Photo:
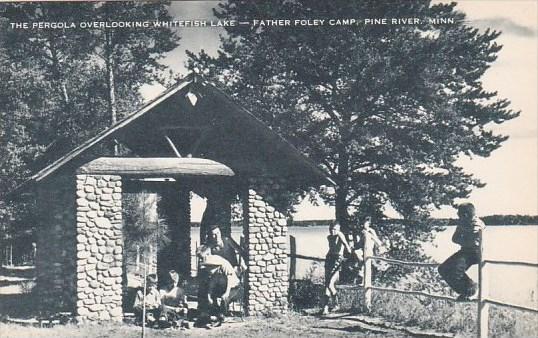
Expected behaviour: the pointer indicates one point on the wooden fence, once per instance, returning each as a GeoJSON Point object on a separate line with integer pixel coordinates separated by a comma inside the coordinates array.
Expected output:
{"type": "Point", "coordinates": [483, 300]}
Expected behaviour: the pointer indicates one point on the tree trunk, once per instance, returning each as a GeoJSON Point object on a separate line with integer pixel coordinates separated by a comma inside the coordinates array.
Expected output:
{"type": "Point", "coordinates": [341, 213]}
{"type": "Point", "coordinates": [174, 209]}
{"type": "Point", "coordinates": [347, 272]}
{"type": "Point", "coordinates": [57, 74]}
{"type": "Point", "coordinates": [218, 211]}
{"type": "Point", "coordinates": [109, 60]}
{"type": "Point", "coordinates": [110, 78]}
{"type": "Point", "coordinates": [340, 203]}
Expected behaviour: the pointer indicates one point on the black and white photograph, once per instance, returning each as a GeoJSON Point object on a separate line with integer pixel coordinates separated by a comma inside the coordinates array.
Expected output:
{"type": "Point", "coordinates": [267, 169]}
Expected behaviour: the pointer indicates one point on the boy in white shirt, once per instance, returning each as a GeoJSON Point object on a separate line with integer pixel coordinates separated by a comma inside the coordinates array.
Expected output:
{"type": "Point", "coordinates": [152, 301]}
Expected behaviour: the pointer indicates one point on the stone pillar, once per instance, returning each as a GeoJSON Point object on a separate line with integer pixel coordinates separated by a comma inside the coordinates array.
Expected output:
{"type": "Point", "coordinates": [266, 234]}
{"type": "Point", "coordinates": [175, 209]}
{"type": "Point", "coordinates": [56, 248]}
{"type": "Point", "coordinates": [99, 247]}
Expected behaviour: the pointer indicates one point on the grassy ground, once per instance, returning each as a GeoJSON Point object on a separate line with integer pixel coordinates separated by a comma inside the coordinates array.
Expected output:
{"type": "Point", "coordinates": [292, 325]}
{"type": "Point", "coordinates": [459, 318]}
{"type": "Point", "coordinates": [427, 313]}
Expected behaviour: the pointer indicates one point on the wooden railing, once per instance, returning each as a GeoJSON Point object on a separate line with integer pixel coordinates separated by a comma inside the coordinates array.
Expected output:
{"type": "Point", "coordinates": [483, 288]}
{"type": "Point", "coordinates": [293, 255]}
{"type": "Point", "coordinates": [483, 300]}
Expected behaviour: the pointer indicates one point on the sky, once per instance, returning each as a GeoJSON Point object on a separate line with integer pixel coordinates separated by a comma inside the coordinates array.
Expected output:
{"type": "Point", "coordinates": [511, 172]}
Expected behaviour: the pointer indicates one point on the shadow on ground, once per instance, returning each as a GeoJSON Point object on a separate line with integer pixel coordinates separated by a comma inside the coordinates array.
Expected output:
{"type": "Point", "coordinates": [349, 329]}
{"type": "Point", "coordinates": [18, 306]}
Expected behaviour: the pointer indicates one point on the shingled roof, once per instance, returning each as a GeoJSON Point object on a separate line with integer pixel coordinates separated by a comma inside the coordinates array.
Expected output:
{"type": "Point", "coordinates": [238, 138]}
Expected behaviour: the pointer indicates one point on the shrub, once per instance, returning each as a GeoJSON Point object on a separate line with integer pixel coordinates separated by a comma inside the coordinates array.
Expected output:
{"type": "Point", "coordinates": [305, 294]}
{"type": "Point", "coordinates": [447, 316]}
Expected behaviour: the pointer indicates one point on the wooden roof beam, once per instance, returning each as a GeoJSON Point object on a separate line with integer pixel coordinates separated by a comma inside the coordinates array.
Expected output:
{"type": "Point", "coordinates": [155, 167]}
{"type": "Point", "coordinates": [173, 146]}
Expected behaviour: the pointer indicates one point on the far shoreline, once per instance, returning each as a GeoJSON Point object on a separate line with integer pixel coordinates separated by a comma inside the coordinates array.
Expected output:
{"type": "Point", "coordinates": [490, 220]}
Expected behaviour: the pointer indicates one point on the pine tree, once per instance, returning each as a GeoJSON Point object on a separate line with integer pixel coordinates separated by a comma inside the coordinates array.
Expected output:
{"type": "Point", "coordinates": [61, 86]}
{"type": "Point", "coordinates": [385, 109]}
{"type": "Point", "coordinates": [131, 55]}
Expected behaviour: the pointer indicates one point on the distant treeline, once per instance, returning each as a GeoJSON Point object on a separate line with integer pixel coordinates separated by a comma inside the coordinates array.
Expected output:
{"type": "Point", "coordinates": [510, 220]}
{"type": "Point", "coordinates": [489, 220]}
{"type": "Point", "coordinates": [502, 220]}
{"type": "Point", "coordinates": [312, 223]}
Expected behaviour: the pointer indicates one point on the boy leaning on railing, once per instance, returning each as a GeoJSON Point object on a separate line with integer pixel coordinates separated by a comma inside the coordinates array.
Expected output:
{"type": "Point", "coordinates": [467, 235]}
{"type": "Point", "coordinates": [333, 262]}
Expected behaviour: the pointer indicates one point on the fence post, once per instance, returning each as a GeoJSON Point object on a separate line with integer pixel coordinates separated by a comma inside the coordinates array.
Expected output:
{"type": "Point", "coordinates": [196, 260]}
{"type": "Point", "coordinates": [367, 274]}
{"type": "Point", "coordinates": [483, 292]}
{"type": "Point", "coordinates": [144, 300]}
{"type": "Point", "coordinates": [137, 258]}
{"type": "Point", "coordinates": [293, 258]}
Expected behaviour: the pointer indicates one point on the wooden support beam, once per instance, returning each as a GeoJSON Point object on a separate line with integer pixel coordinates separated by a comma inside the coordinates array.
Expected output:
{"type": "Point", "coordinates": [172, 145]}
{"type": "Point", "coordinates": [155, 167]}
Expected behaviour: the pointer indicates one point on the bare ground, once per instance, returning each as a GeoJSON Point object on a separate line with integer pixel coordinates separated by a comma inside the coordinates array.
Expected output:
{"type": "Point", "coordinates": [292, 325]}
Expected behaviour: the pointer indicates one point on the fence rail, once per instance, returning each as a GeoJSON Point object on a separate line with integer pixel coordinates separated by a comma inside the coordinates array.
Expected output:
{"type": "Point", "coordinates": [400, 262]}
{"type": "Point", "coordinates": [310, 258]}
{"type": "Point", "coordinates": [527, 264]}
{"type": "Point", "coordinates": [410, 292]}
{"type": "Point", "coordinates": [483, 295]}
{"type": "Point", "coordinates": [512, 306]}
{"type": "Point", "coordinates": [483, 300]}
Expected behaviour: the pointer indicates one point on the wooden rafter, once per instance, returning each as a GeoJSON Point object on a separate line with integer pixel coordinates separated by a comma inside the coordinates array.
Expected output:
{"type": "Point", "coordinates": [173, 146]}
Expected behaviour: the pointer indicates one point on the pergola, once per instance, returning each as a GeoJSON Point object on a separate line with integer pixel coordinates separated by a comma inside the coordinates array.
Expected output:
{"type": "Point", "coordinates": [192, 137]}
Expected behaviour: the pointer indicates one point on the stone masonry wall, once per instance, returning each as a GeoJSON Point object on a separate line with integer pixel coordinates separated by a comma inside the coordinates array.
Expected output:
{"type": "Point", "coordinates": [99, 247]}
{"type": "Point", "coordinates": [266, 234]}
{"type": "Point", "coordinates": [55, 262]}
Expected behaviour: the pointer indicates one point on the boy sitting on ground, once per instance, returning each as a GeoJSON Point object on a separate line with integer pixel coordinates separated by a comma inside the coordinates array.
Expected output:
{"type": "Point", "coordinates": [152, 301]}
{"type": "Point", "coordinates": [173, 300]}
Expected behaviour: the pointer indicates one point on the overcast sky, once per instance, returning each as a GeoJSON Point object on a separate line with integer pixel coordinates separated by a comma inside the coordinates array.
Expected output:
{"type": "Point", "coordinates": [511, 172]}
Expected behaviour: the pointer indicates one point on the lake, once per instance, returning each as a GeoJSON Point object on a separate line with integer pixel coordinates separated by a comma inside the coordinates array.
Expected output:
{"type": "Point", "coordinates": [517, 285]}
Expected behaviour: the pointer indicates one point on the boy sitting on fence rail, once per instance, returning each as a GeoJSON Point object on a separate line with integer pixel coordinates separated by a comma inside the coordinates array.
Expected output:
{"type": "Point", "coordinates": [467, 235]}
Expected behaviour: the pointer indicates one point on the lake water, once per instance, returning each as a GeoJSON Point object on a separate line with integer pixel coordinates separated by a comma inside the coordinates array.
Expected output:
{"type": "Point", "coordinates": [517, 285]}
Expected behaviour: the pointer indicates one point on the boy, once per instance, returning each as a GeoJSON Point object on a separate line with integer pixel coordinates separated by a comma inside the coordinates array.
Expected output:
{"type": "Point", "coordinates": [227, 248]}
{"type": "Point", "coordinates": [173, 299]}
{"type": "Point", "coordinates": [378, 247]}
{"type": "Point", "coordinates": [222, 285]}
{"type": "Point", "coordinates": [467, 235]}
{"type": "Point", "coordinates": [152, 299]}
{"type": "Point", "coordinates": [333, 262]}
